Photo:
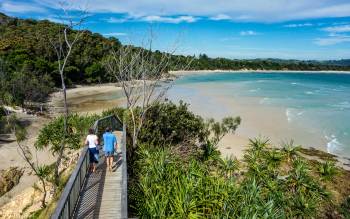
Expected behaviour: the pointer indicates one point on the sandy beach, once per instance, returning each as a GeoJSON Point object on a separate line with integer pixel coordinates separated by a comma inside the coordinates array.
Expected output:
{"type": "Point", "coordinates": [267, 121]}
{"type": "Point", "coordinates": [95, 99]}
{"type": "Point", "coordinates": [89, 99]}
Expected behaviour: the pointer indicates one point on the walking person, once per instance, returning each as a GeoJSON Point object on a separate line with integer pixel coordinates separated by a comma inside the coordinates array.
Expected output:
{"type": "Point", "coordinates": [92, 142]}
{"type": "Point", "coordinates": [110, 145]}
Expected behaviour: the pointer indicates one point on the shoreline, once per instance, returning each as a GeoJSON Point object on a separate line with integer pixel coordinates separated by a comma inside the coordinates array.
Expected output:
{"type": "Point", "coordinates": [87, 99]}
{"type": "Point", "coordinates": [198, 72]}
{"type": "Point", "coordinates": [92, 99]}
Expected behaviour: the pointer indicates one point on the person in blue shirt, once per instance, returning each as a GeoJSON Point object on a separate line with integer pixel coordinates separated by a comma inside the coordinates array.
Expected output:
{"type": "Point", "coordinates": [110, 145]}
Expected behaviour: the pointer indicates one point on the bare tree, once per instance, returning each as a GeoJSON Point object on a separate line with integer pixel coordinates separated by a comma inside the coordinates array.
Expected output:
{"type": "Point", "coordinates": [142, 75]}
{"type": "Point", "coordinates": [69, 33]}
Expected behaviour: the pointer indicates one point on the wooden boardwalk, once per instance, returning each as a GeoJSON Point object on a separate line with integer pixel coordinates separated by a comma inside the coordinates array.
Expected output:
{"type": "Point", "coordinates": [101, 194]}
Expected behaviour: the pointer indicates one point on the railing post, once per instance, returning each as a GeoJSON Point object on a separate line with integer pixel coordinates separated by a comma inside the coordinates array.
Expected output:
{"type": "Point", "coordinates": [124, 207]}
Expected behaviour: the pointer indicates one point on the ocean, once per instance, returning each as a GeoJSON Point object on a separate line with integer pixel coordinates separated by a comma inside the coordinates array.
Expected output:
{"type": "Point", "coordinates": [313, 109]}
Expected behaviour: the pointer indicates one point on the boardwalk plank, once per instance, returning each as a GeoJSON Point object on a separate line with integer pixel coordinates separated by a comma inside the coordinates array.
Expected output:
{"type": "Point", "coordinates": [101, 194]}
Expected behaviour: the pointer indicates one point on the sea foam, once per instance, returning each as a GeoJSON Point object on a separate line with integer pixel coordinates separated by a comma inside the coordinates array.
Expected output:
{"type": "Point", "coordinates": [292, 113]}
{"type": "Point", "coordinates": [333, 146]}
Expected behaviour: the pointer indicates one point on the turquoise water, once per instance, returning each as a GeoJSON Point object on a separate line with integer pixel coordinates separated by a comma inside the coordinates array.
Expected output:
{"type": "Point", "coordinates": [314, 103]}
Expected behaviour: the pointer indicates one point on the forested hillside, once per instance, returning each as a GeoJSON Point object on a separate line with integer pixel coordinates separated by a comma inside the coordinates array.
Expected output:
{"type": "Point", "coordinates": [28, 62]}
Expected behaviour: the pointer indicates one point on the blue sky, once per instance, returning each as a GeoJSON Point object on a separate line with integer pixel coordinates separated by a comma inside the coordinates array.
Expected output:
{"type": "Point", "coordinates": [288, 29]}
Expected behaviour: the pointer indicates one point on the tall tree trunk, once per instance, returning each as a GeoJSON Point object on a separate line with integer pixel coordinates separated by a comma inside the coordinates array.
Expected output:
{"type": "Point", "coordinates": [60, 153]}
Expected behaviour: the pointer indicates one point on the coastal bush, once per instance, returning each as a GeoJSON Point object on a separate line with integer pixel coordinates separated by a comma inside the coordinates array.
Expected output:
{"type": "Point", "coordinates": [168, 186]}
{"type": "Point", "coordinates": [270, 182]}
{"type": "Point", "coordinates": [51, 135]}
{"type": "Point", "coordinates": [171, 124]}
{"type": "Point", "coordinates": [165, 124]}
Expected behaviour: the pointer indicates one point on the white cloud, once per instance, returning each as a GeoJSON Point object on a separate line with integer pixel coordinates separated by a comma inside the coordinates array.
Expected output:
{"type": "Point", "coordinates": [248, 10]}
{"type": "Point", "coordinates": [332, 40]}
{"type": "Point", "coordinates": [299, 25]}
{"type": "Point", "coordinates": [248, 33]}
{"type": "Point", "coordinates": [116, 20]}
{"type": "Point", "coordinates": [16, 7]}
{"type": "Point", "coordinates": [220, 17]}
{"type": "Point", "coordinates": [115, 34]}
{"type": "Point", "coordinates": [336, 35]}
{"type": "Point", "coordinates": [154, 18]}
{"type": "Point", "coordinates": [174, 20]}
{"type": "Point", "coordinates": [338, 29]}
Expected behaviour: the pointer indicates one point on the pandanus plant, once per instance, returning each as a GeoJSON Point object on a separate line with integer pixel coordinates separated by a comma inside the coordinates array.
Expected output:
{"type": "Point", "coordinates": [228, 166]}
{"type": "Point", "coordinates": [290, 150]}
{"type": "Point", "coordinates": [327, 170]}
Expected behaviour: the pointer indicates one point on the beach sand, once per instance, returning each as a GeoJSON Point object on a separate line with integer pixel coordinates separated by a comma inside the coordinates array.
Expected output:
{"type": "Point", "coordinates": [10, 155]}
{"type": "Point", "coordinates": [267, 121]}
{"type": "Point", "coordinates": [89, 99]}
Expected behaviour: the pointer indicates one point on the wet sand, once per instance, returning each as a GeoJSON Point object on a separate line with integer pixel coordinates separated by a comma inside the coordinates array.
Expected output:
{"type": "Point", "coordinates": [89, 99]}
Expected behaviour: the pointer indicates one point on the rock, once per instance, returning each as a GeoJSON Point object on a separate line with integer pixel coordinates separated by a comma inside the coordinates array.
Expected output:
{"type": "Point", "coordinates": [9, 178]}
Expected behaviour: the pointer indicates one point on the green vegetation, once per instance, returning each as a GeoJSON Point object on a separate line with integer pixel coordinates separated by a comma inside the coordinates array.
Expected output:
{"type": "Point", "coordinates": [180, 173]}
{"type": "Point", "coordinates": [327, 170]}
{"type": "Point", "coordinates": [28, 64]}
{"type": "Point", "coordinates": [51, 137]}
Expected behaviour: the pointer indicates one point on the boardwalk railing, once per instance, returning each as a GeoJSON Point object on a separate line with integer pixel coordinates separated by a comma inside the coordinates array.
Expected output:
{"type": "Point", "coordinates": [70, 195]}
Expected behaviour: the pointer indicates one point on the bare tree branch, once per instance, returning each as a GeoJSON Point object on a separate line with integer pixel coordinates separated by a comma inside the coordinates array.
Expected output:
{"type": "Point", "coordinates": [141, 74]}
{"type": "Point", "coordinates": [63, 46]}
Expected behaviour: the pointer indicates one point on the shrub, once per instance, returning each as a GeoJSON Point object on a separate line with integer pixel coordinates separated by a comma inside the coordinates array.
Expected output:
{"type": "Point", "coordinates": [51, 134]}
{"type": "Point", "coordinates": [170, 124]}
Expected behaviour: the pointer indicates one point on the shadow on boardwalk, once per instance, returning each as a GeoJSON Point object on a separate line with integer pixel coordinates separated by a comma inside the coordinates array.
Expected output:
{"type": "Point", "coordinates": [89, 203]}
{"type": "Point", "coordinates": [91, 196]}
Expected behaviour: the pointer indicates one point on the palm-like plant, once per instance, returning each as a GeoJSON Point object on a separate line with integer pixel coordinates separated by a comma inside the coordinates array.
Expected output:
{"type": "Point", "coordinates": [327, 170]}
{"type": "Point", "coordinates": [210, 152]}
{"type": "Point", "coordinates": [290, 150]}
{"type": "Point", "coordinates": [228, 166]}
{"type": "Point", "coordinates": [258, 144]}
{"type": "Point", "coordinates": [273, 159]}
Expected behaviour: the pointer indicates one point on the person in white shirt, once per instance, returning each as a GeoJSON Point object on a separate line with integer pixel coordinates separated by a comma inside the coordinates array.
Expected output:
{"type": "Point", "coordinates": [92, 142]}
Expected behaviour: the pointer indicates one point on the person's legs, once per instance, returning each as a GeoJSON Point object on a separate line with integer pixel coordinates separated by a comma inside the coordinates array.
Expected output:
{"type": "Point", "coordinates": [111, 162]}
{"type": "Point", "coordinates": [91, 155]}
{"type": "Point", "coordinates": [93, 167]}
{"type": "Point", "coordinates": [107, 159]}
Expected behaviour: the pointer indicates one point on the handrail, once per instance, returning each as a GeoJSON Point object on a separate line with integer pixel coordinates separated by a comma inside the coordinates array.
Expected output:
{"type": "Point", "coordinates": [124, 198]}
{"type": "Point", "coordinates": [70, 195]}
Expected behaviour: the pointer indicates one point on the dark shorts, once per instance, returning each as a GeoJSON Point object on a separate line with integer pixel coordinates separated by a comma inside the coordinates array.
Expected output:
{"type": "Point", "coordinates": [93, 155]}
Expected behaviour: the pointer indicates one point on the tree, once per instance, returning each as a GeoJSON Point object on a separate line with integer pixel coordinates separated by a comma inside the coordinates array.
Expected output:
{"type": "Point", "coordinates": [141, 73]}
{"type": "Point", "coordinates": [63, 46]}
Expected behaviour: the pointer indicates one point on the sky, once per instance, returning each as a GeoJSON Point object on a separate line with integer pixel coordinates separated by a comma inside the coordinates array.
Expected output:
{"type": "Point", "coordinates": [239, 29]}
